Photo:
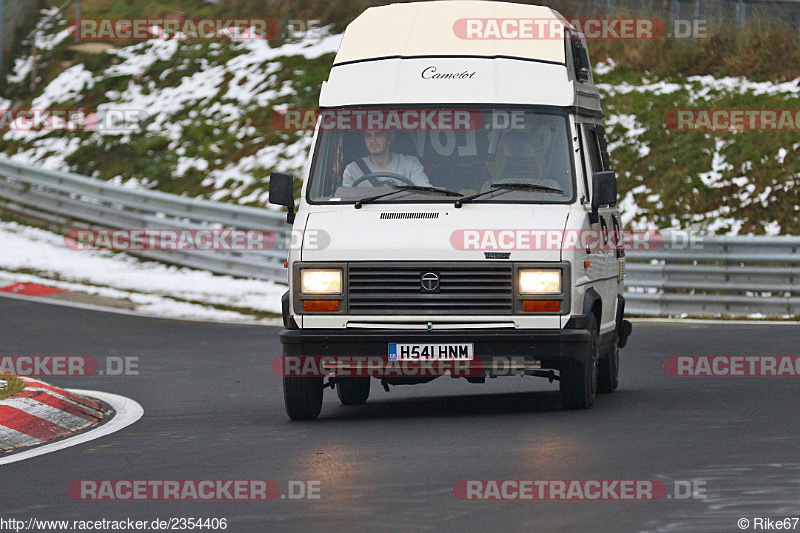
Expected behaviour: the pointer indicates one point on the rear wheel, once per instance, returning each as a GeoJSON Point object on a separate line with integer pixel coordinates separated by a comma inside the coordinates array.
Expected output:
{"type": "Point", "coordinates": [302, 397]}
{"type": "Point", "coordinates": [608, 370]}
{"type": "Point", "coordinates": [353, 391]}
{"type": "Point", "coordinates": [578, 382]}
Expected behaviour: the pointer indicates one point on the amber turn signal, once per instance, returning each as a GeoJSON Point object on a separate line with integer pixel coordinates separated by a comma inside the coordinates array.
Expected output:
{"type": "Point", "coordinates": [529, 306]}
{"type": "Point", "coordinates": [321, 306]}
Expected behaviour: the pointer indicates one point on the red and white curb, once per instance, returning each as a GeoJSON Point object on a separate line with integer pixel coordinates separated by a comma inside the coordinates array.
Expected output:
{"type": "Point", "coordinates": [31, 289]}
{"type": "Point", "coordinates": [126, 412]}
{"type": "Point", "coordinates": [43, 412]}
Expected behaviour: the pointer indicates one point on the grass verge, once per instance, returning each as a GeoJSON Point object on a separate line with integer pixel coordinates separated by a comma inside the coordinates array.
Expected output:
{"type": "Point", "coordinates": [10, 386]}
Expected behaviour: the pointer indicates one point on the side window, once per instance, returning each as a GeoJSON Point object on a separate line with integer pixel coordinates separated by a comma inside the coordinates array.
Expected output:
{"type": "Point", "coordinates": [619, 244]}
{"type": "Point", "coordinates": [580, 58]}
{"type": "Point", "coordinates": [592, 160]}
{"type": "Point", "coordinates": [601, 137]}
{"type": "Point", "coordinates": [593, 148]}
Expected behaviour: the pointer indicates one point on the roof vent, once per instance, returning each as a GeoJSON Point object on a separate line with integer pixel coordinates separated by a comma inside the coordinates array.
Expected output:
{"type": "Point", "coordinates": [407, 216]}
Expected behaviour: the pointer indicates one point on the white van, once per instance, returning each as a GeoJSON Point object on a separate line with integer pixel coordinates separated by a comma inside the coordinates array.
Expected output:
{"type": "Point", "coordinates": [460, 175]}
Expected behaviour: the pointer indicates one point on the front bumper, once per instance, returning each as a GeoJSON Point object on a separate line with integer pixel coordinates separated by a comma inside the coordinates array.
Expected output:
{"type": "Point", "coordinates": [552, 348]}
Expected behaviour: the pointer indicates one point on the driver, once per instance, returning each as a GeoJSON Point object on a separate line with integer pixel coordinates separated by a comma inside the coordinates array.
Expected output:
{"type": "Point", "coordinates": [381, 160]}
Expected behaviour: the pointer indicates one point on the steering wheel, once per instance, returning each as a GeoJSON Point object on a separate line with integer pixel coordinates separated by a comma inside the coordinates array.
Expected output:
{"type": "Point", "coordinates": [386, 174]}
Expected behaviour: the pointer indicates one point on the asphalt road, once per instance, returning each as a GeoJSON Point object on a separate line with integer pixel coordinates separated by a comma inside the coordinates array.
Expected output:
{"type": "Point", "coordinates": [214, 410]}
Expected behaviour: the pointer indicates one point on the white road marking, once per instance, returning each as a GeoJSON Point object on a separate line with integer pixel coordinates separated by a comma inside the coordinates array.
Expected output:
{"type": "Point", "coordinates": [127, 412]}
{"type": "Point", "coordinates": [743, 322]}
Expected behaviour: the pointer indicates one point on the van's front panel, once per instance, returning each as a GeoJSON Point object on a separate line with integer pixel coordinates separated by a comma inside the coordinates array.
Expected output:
{"type": "Point", "coordinates": [504, 189]}
{"type": "Point", "coordinates": [445, 211]}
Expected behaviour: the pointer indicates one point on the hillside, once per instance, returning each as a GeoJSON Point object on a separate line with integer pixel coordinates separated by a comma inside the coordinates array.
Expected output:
{"type": "Point", "coordinates": [208, 131]}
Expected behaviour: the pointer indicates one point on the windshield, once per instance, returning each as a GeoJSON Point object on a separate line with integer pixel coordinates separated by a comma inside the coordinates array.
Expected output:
{"type": "Point", "coordinates": [407, 152]}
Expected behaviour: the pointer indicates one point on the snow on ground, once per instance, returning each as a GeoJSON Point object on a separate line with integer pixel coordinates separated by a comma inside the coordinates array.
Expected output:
{"type": "Point", "coordinates": [707, 84]}
{"type": "Point", "coordinates": [242, 83]}
{"type": "Point", "coordinates": [39, 256]}
{"type": "Point", "coordinates": [249, 72]}
{"type": "Point", "coordinates": [629, 211]}
{"type": "Point", "coordinates": [718, 166]}
{"type": "Point", "coordinates": [22, 67]}
{"type": "Point", "coordinates": [48, 152]}
{"type": "Point", "coordinates": [44, 40]}
{"type": "Point", "coordinates": [633, 131]}
{"type": "Point", "coordinates": [604, 67]}
{"type": "Point", "coordinates": [628, 131]}
{"type": "Point", "coordinates": [136, 59]}
{"type": "Point", "coordinates": [295, 156]}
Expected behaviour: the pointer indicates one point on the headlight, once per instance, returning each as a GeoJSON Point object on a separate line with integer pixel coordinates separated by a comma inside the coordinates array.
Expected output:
{"type": "Point", "coordinates": [539, 281]}
{"type": "Point", "coordinates": [318, 281]}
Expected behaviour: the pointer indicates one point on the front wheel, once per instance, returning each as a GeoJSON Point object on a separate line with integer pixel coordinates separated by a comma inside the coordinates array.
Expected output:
{"type": "Point", "coordinates": [352, 391]}
{"type": "Point", "coordinates": [302, 397]}
{"type": "Point", "coordinates": [578, 382]}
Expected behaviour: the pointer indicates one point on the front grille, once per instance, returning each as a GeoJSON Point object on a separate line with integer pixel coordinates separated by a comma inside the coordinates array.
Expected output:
{"type": "Point", "coordinates": [396, 289]}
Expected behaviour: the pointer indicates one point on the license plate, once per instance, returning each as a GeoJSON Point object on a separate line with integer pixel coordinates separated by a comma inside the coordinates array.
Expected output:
{"type": "Point", "coordinates": [431, 352]}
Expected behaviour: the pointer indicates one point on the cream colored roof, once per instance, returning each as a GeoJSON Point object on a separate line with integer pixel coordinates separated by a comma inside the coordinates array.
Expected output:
{"type": "Point", "coordinates": [427, 28]}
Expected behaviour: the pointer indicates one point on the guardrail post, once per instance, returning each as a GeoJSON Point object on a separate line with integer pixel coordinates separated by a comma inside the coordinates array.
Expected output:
{"type": "Point", "coordinates": [741, 13]}
{"type": "Point", "coordinates": [77, 17]}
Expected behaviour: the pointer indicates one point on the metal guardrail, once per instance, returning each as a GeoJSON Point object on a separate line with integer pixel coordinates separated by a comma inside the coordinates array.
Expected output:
{"type": "Point", "coordinates": [709, 276]}
{"type": "Point", "coordinates": [716, 276]}
{"type": "Point", "coordinates": [72, 201]}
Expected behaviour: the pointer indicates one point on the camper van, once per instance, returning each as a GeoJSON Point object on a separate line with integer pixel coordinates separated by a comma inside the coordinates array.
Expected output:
{"type": "Point", "coordinates": [460, 178]}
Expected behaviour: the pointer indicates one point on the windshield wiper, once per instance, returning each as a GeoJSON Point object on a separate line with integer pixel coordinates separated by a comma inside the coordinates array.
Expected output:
{"type": "Point", "coordinates": [401, 188]}
{"type": "Point", "coordinates": [508, 186]}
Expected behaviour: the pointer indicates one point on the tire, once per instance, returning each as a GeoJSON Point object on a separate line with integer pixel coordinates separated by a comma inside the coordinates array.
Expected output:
{"type": "Point", "coordinates": [353, 391]}
{"type": "Point", "coordinates": [608, 371]}
{"type": "Point", "coordinates": [302, 397]}
{"type": "Point", "coordinates": [578, 382]}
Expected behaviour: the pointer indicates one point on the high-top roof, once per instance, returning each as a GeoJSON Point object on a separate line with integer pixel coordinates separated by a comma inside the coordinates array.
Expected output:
{"type": "Point", "coordinates": [436, 28]}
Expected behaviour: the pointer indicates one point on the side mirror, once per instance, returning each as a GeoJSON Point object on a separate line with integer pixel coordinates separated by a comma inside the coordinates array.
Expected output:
{"type": "Point", "coordinates": [604, 189]}
{"type": "Point", "coordinates": [281, 192]}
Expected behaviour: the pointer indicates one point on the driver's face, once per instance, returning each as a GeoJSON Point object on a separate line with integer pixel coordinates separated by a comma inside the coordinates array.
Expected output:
{"type": "Point", "coordinates": [377, 142]}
